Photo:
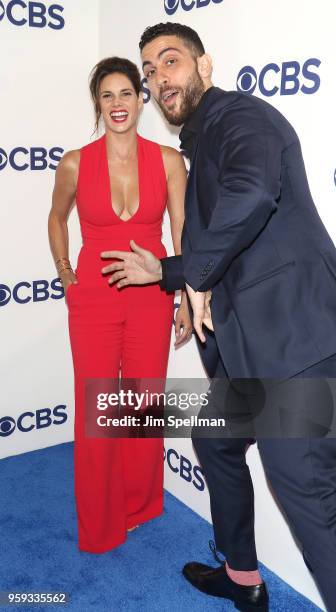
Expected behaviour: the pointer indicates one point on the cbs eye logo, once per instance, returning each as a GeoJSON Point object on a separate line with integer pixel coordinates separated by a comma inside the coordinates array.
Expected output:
{"type": "Point", "coordinates": [286, 79]}
{"type": "Point", "coordinates": [32, 14]}
{"type": "Point", "coordinates": [171, 6]}
{"type": "Point", "coordinates": [3, 159]}
{"type": "Point", "coordinates": [7, 426]}
{"type": "Point", "coordinates": [247, 80]}
{"type": "Point", "coordinates": [5, 295]}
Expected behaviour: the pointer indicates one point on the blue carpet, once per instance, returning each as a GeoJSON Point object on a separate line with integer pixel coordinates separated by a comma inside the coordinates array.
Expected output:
{"type": "Point", "coordinates": [39, 549]}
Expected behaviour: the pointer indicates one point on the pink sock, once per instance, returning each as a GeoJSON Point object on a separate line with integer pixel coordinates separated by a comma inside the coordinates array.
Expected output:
{"type": "Point", "coordinates": [249, 578]}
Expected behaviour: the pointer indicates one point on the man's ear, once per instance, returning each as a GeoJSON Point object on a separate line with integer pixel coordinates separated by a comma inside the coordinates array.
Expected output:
{"type": "Point", "coordinates": [204, 65]}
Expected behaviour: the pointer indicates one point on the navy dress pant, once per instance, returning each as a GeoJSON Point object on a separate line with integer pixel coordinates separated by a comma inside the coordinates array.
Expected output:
{"type": "Point", "coordinates": [302, 473]}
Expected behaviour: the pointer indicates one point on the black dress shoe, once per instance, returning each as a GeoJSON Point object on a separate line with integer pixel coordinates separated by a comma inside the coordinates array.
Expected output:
{"type": "Point", "coordinates": [215, 581]}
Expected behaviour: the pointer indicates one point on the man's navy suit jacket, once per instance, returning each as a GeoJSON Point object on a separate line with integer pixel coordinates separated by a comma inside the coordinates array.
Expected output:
{"type": "Point", "coordinates": [253, 236]}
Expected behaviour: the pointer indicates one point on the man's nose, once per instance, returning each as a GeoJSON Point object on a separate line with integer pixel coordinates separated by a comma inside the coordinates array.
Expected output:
{"type": "Point", "coordinates": [161, 77]}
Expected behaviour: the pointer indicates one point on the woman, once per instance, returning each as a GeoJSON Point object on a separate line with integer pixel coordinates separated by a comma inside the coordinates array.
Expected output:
{"type": "Point", "coordinates": [122, 184]}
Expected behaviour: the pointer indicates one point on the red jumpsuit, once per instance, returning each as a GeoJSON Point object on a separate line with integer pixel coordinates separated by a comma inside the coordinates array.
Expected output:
{"type": "Point", "coordinates": [118, 482]}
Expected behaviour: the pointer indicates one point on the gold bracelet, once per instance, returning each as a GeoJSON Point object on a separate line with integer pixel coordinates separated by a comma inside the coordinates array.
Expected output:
{"type": "Point", "coordinates": [64, 270]}
{"type": "Point", "coordinates": [62, 259]}
{"type": "Point", "coordinates": [63, 263]}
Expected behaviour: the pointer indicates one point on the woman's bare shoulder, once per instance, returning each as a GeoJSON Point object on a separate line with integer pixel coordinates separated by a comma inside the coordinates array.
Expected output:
{"type": "Point", "coordinates": [170, 152]}
{"type": "Point", "coordinates": [70, 160]}
{"type": "Point", "coordinates": [172, 159]}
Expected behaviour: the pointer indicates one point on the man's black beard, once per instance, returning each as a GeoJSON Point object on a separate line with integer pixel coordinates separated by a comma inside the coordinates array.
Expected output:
{"type": "Point", "coordinates": [191, 96]}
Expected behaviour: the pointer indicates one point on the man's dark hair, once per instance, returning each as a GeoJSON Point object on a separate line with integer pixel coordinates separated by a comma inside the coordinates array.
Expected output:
{"type": "Point", "coordinates": [189, 37]}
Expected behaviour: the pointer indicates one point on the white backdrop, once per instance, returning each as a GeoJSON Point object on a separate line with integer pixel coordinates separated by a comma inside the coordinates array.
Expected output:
{"type": "Point", "coordinates": [45, 105]}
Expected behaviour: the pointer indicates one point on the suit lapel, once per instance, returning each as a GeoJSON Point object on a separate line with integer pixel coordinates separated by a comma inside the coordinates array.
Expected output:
{"type": "Point", "coordinates": [191, 191]}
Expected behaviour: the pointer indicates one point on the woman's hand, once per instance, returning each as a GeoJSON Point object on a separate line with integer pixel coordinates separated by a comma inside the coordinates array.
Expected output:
{"type": "Point", "coordinates": [68, 278]}
{"type": "Point", "coordinates": [183, 324]}
{"type": "Point", "coordinates": [200, 302]}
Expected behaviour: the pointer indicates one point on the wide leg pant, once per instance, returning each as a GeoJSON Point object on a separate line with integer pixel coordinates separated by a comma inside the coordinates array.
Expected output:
{"type": "Point", "coordinates": [118, 482]}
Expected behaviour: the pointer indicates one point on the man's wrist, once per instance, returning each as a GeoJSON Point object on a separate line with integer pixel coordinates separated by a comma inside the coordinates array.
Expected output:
{"type": "Point", "coordinates": [161, 274]}
{"type": "Point", "coordinates": [160, 271]}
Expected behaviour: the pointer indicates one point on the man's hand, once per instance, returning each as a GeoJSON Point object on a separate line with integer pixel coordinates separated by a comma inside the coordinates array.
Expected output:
{"type": "Point", "coordinates": [200, 302]}
{"type": "Point", "coordinates": [137, 267]}
{"type": "Point", "coordinates": [207, 321]}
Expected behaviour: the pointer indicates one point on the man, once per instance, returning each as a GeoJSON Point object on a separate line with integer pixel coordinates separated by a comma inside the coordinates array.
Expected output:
{"type": "Point", "coordinates": [261, 269]}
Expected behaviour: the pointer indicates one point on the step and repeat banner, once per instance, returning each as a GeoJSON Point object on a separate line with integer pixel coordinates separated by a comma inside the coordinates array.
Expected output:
{"type": "Point", "coordinates": [47, 50]}
{"type": "Point", "coordinates": [283, 53]}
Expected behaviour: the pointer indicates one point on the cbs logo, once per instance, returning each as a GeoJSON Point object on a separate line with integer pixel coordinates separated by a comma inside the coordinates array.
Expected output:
{"type": "Point", "coordinates": [287, 79]}
{"type": "Point", "coordinates": [183, 467]}
{"type": "Point", "coordinates": [171, 6]}
{"type": "Point", "coordinates": [35, 158]}
{"type": "Point", "coordinates": [37, 291]}
{"type": "Point", "coordinates": [145, 91]}
{"type": "Point", "coordinates": [33, 420]}
{"type": "Point", "coordinates": [32, 14]}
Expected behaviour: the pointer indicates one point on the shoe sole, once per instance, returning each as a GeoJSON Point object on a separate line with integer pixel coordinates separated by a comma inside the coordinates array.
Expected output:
{"type": "Point", "coordinates": [250, 607]}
